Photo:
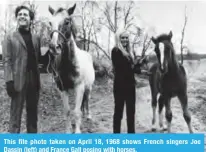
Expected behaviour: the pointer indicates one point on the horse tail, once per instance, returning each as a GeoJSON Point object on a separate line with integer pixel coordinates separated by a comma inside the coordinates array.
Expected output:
{"type": "Point", "coordinates": [83, 102]}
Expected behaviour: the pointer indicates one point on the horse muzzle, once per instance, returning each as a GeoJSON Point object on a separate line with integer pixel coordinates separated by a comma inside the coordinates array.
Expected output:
{"type": "Point", "coordinates": [55, 49]}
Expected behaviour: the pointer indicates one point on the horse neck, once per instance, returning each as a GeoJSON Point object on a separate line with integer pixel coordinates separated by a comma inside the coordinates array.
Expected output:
{"type": "Point", "coordinates": [173, 65]}
{"type": "Point", "coordinates": [69, 53]}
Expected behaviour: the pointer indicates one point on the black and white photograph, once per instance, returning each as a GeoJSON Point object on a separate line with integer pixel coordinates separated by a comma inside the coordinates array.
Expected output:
{"type": "Point", "coordinates": [102, 67]}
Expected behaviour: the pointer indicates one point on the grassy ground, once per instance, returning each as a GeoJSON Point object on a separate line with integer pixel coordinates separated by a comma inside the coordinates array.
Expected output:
{"type": "Point", "coordinates": [101, 104]}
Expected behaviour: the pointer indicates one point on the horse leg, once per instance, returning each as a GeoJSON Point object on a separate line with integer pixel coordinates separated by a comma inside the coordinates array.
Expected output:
{"type": "Point", "coordinates": [79, 91]}
{"type": "Point", "coordinates": [85, 104]}
{"type": "Point", "coordinates": [168, 113]}
{"type": "Point", "coordinates": [154, 106]}
{"type": "Point", "coordinates": [161, 105]}
{"type": "Point", "coordinates": [184, 103]}
{"type": "Point", "coordinates": [65, 98]}
{"type": "Point", "coordinates": [87, 98]}
{"type": "Point", "coordinates": [154, 95]}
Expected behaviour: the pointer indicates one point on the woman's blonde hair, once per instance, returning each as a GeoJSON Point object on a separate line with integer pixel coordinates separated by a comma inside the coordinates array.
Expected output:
{"type": "Point", "coordinates": [128, 52]}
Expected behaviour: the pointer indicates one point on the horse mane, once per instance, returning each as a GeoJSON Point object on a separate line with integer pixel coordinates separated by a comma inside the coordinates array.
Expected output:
{"type": "Point", "coordinates": [67, 67]}
{"type": "Point", "coordinates": [66, 62]}
{"type": "Point", "coordinates": [59, 10]}
{"type": "Point", "coordinates": [74, 29]}
{"type": "Point", "coordinates": [168, 42]}
{"type": "Point", "coordinates": [163, 37]}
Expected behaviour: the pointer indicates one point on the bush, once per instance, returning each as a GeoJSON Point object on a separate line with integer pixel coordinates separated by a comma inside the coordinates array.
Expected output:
{"type": "Point", "coordinates": [103, 67]}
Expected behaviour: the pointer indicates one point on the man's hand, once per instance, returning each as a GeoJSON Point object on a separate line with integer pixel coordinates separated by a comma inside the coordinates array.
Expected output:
{"type": "Point", "coordinates": [10, 88]}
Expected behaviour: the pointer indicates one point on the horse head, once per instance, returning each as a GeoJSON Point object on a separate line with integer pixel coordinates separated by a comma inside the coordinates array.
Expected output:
{"type": "Point", "coordinates": [63, 28]}
{"type": "Point", "coordinates": [164, 51]}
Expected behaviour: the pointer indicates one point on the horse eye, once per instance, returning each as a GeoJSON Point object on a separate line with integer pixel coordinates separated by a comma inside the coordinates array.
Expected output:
{"type": "Point", "coordinates": [67, 22]}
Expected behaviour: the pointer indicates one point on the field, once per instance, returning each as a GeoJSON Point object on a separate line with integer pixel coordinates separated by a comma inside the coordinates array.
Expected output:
{"type": "Point", "coordinates": [101, 104]}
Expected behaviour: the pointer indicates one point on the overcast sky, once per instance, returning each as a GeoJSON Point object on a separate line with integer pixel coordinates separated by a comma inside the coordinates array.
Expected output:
{"type": "Point", "coordinates": [167, 16]}
{"type": "Point", "coordinates": [163, 15]}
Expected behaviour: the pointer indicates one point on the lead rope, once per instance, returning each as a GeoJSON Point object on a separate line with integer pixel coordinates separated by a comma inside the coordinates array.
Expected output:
{"type": "Point", "coordinates": [54, 76]}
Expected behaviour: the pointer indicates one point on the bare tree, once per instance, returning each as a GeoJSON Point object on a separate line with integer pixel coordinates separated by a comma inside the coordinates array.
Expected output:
{"type": "Point", "coordinates": [146, 44]}
{"type": "Point", "coordinates": [115, 13]}
{"type": "Point", "coordinates": [9, 17]}
{"type": "Point", "coordinates": [110, 23]}
{"type": "Point", "coordinates": [137, 36]}
{"type": "Point", "coordinates": [183, 34]}
{"type": "Point", "coordinates": [42, 28]}
{"type": "Point", "coordinates": [128, 18]}
{"type": "Point", "coordinates": [87, 21]}
{"type": "Point", "coordinates": [118, 11]}
{"type": "Point", "coordinates": [90, 27]}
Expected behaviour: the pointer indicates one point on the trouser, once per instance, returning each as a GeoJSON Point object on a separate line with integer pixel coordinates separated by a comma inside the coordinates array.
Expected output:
{"type": "Point", "coordinates": [30, 93]}
{"type": "Point", "coordinates": [122, 96]}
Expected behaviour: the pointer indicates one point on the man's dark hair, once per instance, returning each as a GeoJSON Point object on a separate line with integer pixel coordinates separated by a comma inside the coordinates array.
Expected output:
{"type": "Point", "coordinates": [31, 13]}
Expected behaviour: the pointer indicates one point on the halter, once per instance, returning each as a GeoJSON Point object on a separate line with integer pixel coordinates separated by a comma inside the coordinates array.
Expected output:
{"type": "Point", "coordinates": [59, 32]}
{"type": "Point", "coordinates": [55, 73]}
{"type": "Point", "coordinates": [65, 39]}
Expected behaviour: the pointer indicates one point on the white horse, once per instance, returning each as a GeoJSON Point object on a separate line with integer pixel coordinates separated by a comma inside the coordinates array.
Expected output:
{"type": "Point", "coordinates": [73, 67]}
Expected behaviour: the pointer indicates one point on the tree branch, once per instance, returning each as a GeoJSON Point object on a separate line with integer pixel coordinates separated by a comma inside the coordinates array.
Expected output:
{"type": "Point", "coordinates": [98, 46]}
{"type": "Point", "coordinates": [183, 34]}
{"type": "Point", "coordinates": [127, 13]}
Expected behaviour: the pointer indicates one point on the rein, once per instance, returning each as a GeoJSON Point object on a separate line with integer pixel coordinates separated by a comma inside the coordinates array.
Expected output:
{"type": "Point", "coordinates": [65, 39]}
{"type": "Point", "coordinates": [54, 72]}
{"type": "Point", "coordinates": [53, 69]}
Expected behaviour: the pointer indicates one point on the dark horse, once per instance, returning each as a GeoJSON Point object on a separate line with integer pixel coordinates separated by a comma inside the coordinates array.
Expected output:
{"type": "Point", "coordinates": [168, 79]}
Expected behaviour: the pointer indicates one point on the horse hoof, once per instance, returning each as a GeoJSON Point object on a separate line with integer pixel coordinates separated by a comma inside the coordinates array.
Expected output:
{"type": "Point", "coordinates": [153, 129]}
{"type": "Point", "coordinates": [169, 131]}
{"type": "Point", "coordinates": [77, 131]}
{"type": "Point", "coordinates": [191, 132]}
{"type": "Point", "coordinates": [68, 131]}
{"type": "Point", "coordinates": [89, 117]}
{"type": "Point", "coordinates": [163, 128]}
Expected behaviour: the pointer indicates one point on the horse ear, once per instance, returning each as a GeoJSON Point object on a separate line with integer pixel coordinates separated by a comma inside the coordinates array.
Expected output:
{"type": "Point", "coordinates": [170, 34]}
{"type": "Point", "coordinates": [154, 40]}
{"type": "Point", "coordinates": [71, 10]}
{"type": "Point", "coordinates": [51, 10]}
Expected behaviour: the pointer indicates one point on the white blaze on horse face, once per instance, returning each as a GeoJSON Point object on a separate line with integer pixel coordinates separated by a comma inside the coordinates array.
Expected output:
{"type": "Point", "coordinates": [56, 21]}
{"type": "Point", "coordinates": [162, 55]}
{"type": "Point", "coordinates": [55, 35]}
